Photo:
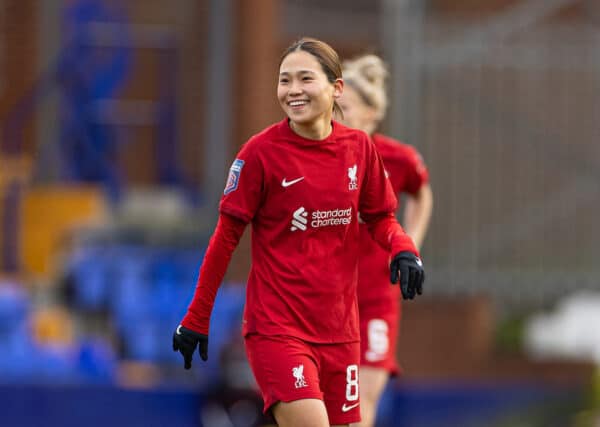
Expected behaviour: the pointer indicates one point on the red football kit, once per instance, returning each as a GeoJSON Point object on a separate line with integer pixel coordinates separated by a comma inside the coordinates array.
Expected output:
{"type": "Point", "coordinates": [378, 301]}
{"type": "Point", "coordinates": [302, 197]}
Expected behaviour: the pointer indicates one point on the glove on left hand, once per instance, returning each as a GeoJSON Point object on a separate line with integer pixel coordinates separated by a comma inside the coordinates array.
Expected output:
{"type": "Point", "coordinates": [409, 269]}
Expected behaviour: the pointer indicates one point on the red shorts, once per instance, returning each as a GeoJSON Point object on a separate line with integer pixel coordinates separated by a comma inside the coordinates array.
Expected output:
{"type": "Point", "coordinates": [288, 369]}
{"type": "Point", "coordinates": [378, 336]}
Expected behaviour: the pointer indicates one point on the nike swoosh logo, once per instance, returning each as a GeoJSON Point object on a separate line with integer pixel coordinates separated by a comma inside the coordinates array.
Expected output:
{"type": "Point", "coordinates": [178, 330]}
{"type": "Point", "coordinates": [349, 407]}
{"type": "Point", "coordinates": [285, 183]}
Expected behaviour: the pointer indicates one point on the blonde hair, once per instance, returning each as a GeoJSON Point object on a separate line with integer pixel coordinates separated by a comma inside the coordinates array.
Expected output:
{"type": "Point", "coordinates": [367, 75]}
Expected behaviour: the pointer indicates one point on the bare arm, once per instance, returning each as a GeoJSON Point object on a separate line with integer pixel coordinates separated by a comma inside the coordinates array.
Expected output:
{"type": "Point", "coordinates": [417, 214]}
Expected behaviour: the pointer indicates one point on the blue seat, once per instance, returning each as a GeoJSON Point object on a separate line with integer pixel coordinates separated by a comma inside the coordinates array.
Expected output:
{"type": "Point", "coordinates": [149, 337]}
{"type": "Point", "coordinates": [96, 361]}
{"type": "Point", "coordinates": [15, 340]}
{"type": "Point", "coordinates": [89, 269]}
{"type": "Point", "coordinates": [131, 289]}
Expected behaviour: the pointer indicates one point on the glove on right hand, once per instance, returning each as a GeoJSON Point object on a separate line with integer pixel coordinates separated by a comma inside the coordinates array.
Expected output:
{"type": "Point", "coordinates": [185, 340]}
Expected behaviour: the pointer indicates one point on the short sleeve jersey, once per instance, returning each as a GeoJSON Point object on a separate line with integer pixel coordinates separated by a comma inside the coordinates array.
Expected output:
{"type": "Point", "coordinates": [302, 198]}
{"type": "Point", "coordinates": [407, 173]}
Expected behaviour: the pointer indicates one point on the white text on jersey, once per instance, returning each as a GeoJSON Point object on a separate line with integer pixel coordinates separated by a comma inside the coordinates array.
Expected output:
{"type": "Point", "coordinates": [320, 218]}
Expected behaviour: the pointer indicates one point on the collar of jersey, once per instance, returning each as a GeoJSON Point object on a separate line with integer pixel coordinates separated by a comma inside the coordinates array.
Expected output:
{"type": "Point", "coordinates": [288, 134]}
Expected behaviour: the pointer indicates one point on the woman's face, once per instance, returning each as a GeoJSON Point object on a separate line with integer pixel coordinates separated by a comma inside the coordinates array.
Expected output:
{"type": "Point", "coordinates": [304, 93]}
{"type": "Point", "coordinates": [357, 114]}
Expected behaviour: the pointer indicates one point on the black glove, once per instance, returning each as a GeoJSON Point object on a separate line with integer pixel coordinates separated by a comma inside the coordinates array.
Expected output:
{"type": "Point", "coordinates": [185, 340]}
{"type": "Point", "coordinates": [410, 269]}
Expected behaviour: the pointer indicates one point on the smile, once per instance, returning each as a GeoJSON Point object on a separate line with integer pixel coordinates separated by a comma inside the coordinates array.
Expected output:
{"type": "Point", "coordinates": [297, 103]}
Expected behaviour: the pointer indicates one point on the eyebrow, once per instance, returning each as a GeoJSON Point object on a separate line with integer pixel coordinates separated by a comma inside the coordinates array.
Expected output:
{"type": "Point", "coordinates": [287, 73]}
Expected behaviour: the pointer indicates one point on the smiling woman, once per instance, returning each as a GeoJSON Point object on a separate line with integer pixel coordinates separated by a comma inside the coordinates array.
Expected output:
{"type": "Point", "coordinates": [301, 183]}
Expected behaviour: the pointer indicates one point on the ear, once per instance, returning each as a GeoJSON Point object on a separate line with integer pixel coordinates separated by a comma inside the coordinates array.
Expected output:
{"type": "Point", "coordinates": [338, 88]}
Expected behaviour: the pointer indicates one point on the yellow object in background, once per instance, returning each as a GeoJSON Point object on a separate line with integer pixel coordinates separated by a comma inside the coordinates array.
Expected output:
{"type": "Point", "coordinates": [49, 215]}
{"type": "Point", "coordinates": [53, 325]}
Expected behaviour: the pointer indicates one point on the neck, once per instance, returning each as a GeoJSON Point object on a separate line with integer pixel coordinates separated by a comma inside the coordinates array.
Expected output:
{"type": "Point", "coordinates": [317, 130]}
{"type": "Point", "coordinates": [369, 129]}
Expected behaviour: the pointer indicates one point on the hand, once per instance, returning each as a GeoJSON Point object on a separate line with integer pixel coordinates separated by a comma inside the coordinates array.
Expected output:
{"type": "Point", "coordinates": [410, 269]}
{"type": "Point", "coordinates": [185, 340]}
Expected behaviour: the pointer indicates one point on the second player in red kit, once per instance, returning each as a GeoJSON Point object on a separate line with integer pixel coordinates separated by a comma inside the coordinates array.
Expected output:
{"type": "Point", "coordinates": [301, 183]}
{"type": "Point", "coordinates": [364, 104]}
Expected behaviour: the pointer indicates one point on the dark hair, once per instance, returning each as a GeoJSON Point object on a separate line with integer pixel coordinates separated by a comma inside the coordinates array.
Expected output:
{"type": "Point", "coordinates": [325, 54]}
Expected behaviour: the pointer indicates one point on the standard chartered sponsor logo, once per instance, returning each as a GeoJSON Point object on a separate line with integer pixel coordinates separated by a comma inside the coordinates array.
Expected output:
{"type": "Point", "coordinates": [299, 219]}
{"type": "Point", "coordinates": [332, 217]}
{"type": "Point", "coordinates": [320, 218]}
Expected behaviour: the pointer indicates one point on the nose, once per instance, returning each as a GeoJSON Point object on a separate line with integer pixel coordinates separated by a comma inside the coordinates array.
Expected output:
{"type": "Point", "coordinates": [295, 88]}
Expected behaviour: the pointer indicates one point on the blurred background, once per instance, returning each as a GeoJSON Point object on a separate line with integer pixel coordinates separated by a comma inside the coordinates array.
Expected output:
{"type": "Point", "coordinates": [118, 122]}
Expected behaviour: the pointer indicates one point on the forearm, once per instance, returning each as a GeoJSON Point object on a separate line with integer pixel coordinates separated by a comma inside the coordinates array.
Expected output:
{"type": "Point", "coordinates": [417, 214]}
{"type": "Point", "coordinates": [386, 231]}
{"type": "Point", "coordinates": [218, 255]}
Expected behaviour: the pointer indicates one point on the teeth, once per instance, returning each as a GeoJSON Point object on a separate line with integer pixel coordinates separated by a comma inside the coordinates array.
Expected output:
{"type": "Point", "coordinates": [297, 103]}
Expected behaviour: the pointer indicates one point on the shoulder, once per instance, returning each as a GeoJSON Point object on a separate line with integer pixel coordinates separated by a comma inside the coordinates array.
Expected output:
{"type": "Point", "coordinates": [266, 135]}
{"type": "Point", "coordinates": [351, 135]}
{"type": "Point", "coordinates": [258, 141]}
{"type": "Point", "coordinates": [393, 148]}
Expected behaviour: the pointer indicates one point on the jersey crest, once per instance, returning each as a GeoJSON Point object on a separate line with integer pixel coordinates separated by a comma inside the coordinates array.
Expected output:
{"type": "Point", "coordinates": [352, 185]}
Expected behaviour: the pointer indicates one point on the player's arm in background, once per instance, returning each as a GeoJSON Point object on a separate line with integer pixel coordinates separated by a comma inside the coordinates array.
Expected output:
{"type": "Point", "coordinates": [417, 213]}
{"type": "Point", "coordinates": [419, 203]}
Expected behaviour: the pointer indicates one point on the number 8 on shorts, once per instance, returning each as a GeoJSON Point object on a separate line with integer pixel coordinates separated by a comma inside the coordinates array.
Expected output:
{"type": "Point", "coordinates": [352, 383]}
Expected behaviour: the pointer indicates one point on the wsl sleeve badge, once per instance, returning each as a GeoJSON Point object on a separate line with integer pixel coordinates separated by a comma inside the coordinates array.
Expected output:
{"type": "Point", "coordinates": [234, 176]}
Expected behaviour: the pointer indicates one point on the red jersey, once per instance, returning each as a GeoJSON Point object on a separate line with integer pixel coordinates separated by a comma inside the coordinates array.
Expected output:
{"type": "Point", "coordinates": [303, 198]}
{"type": "Point", "coordinates": [407, 173]}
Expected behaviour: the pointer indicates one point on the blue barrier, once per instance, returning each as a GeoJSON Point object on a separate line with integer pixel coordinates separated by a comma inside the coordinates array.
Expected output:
{"type": "Point", "coordinates": [25, 406]}
{"type": "Point", "coordinates": [474, 404]}
{"type": "Point", "coordinates": [405, 405]}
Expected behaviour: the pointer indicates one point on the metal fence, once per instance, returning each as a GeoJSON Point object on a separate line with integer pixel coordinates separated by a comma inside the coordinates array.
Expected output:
{"type": "Point", "coordinates": [506, 112]}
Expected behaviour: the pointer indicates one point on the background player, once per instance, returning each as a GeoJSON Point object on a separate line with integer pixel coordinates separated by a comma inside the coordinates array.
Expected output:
{"type": "Point", "coordinates": [301, 183]}
{"type": "Point", "coordinates": [364, 104]}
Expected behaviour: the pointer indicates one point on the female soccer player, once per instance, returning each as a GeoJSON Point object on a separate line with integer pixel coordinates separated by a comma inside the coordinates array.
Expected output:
{"type": "Point", "coordinates": [301, 183]}
{"type": "Point", "coordinates": [363, 104]}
